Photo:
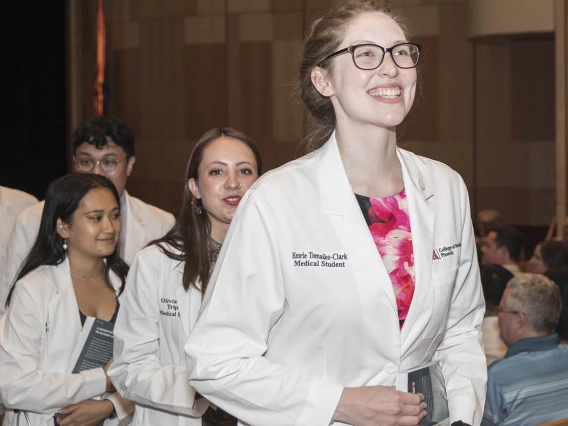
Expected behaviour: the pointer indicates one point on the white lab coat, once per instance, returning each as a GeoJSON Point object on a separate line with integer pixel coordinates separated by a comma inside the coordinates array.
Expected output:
{"type": "Point", "coordinates": [144, 223]}
{"type": "Point", "coordinates": [276, 342]}
{"type": "Point", "coordinates": [152, 326]}
{"type": "Point", "coordinates": [12, 202]}
{"type": "Point", "coordinates": [38, 335]}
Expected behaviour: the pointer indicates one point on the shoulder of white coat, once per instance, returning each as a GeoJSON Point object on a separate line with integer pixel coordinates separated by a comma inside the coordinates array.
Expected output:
{"type": "Point", "coordinates": [16, 198]}
{"type": "Point", "coordinates": [37, 281]}
{"type": "Point", "coordinates": [433, 170]}
{"type": "Point", "coordinates": [288, 176]}
{"type": "Point", "coordinates": [152, 213]}
{"type": "Point", "coordinates": [154, 253]}
{"type": "Point", "coordinates": [154, 258]}
{"type": "Point", "coordinates": [31, 216]}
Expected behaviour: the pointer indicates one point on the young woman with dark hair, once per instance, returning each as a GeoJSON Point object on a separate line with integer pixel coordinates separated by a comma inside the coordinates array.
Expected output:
{"type": "Point", "coordinates": [167, 282]}
{"type": "Point", "coordinates": [73, 271]}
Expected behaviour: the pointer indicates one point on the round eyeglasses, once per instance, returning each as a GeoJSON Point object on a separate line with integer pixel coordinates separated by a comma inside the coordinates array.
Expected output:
{"type": "Point", "coordinates": [502, 310]}
{"type": "Point", "coordinates": [371, 56]}
{"type": "Point", "coordinates": [87, 164]}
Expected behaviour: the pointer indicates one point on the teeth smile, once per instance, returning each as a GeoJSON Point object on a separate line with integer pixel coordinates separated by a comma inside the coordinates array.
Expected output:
{"type": "Point", "coordinates": [384, 92]}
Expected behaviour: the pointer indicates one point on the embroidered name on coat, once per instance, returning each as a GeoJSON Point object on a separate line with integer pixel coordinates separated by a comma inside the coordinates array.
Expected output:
{"type": "Point", "coordinates": [445, 251]}
{"type": "Point", "coordinates": [319, 260]}
{"type": "Point", "coordinates": [169, 307]}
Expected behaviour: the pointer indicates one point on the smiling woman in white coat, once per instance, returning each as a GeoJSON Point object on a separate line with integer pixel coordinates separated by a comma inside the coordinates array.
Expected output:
{"type": "Point", "coordinates": [167, 280]}
{"type": "Point", "coordinates": [351, 264]}
{"type": "Point", "coordinates": [73, 272]}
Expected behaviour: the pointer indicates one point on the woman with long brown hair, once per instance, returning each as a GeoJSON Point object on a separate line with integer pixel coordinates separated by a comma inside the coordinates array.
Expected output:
{"type": "Point", "coordinates": [168, 280]}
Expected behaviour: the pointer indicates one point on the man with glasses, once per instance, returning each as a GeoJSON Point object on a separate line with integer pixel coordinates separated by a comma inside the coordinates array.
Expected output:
{"type": "Point", "coordinates": [530, 385]}
{"type": "Point", "coordinates": [104, 146]}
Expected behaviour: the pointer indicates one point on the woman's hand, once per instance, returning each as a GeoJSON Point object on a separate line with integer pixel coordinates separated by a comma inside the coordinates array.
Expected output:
{"type": "Point", "coordinates": [86, 413]}
{"type": "Point", "coordinates": [109, 385]}
{"type": "Point", "coordinates": [379, 405]}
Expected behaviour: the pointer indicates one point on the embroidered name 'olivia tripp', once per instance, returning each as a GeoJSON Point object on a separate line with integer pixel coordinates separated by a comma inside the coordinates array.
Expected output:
{"type": "Point", "coordinates": [445, 251]}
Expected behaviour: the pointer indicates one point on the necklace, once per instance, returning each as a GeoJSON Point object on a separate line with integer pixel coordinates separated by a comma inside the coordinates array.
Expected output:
{"type": "Point", "coordinates": [84, 276]}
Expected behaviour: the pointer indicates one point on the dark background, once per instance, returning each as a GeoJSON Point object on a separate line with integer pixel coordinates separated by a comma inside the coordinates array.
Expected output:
{"type": "Point", "coordinates": [33, 125]}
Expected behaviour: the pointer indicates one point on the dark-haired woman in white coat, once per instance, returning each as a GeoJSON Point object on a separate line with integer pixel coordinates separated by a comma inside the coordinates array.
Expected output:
{"type": "Point", "coordinates": [166, 282]}
{"type": "Point", "coordinates": [73, 272]}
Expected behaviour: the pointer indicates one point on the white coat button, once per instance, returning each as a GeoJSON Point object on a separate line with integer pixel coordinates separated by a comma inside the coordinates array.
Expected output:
{"type": "Point", "coordinates": [391, 368]}
{"type": "Point", "coordinates": [421, 184]}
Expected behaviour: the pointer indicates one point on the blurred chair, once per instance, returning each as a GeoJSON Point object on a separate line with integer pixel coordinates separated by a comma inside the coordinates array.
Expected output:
{"type": "Point", "coordinates": [562, 422]}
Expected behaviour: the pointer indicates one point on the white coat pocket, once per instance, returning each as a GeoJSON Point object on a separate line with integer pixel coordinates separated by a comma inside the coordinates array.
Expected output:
{"type": "Point", "coordinates": [443, 284]}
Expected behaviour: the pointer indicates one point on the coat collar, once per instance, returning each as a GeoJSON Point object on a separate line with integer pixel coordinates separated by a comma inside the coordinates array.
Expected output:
{"type": "Point", "coordinates": [62, 283]}
{"type": "Point", "coordinates": [132, 211]}
{"type": "Point", "coordinates": [136, 235]}
{"type": "Point", "coordinates": [338, 199]}
{"type": "Point", "coordinates": [335, 186]}
{"type": "Point", "coordinates": [63, 311]}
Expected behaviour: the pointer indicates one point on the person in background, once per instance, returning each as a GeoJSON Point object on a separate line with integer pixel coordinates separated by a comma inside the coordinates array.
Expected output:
{"type": "Point", "coordinates": [494, 279]}
{"type": "Point", "coordinates": [550, 258]}
{"type": "Point", "coordinates": [72, 272]}
{"type": "Point", "coordinates": [503, 247]}
{"type": "Point", "coordinates": [530, 385]}
{"type": "Point", "coordinates": [350, 264]}
{"type": "Point", "coordinates": [487, 220]}
{"type": "Point", "coordinates": [166, 284]}
{"type": "Point", "coordinates": [104, 146]}
{"type": "Point", "coordinates": [12, 201]}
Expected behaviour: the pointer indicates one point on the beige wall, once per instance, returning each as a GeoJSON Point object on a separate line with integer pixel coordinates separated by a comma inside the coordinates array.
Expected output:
{"type": "Point", "coordinates": [180, 67]}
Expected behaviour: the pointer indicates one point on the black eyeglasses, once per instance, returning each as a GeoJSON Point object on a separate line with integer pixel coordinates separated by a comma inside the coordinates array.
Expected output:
{"type": "Point", "coordinates": [371, 56]}
{"type": "Point", "coordinates": [501, 310]}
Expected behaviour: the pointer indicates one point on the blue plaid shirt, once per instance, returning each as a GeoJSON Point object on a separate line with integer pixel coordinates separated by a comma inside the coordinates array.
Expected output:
{"type": "Point", "coordinates": [530, 385]}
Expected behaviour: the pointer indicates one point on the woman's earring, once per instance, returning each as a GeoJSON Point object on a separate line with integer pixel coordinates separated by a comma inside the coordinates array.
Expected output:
{"type": "Point", "coordinates": [198, 208]}
{"type": "Point", "coordinates": [65, 246]}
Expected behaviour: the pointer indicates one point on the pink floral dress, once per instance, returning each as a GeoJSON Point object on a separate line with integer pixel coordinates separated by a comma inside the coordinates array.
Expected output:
{"type": "Point", "coordinates": [389, 224]}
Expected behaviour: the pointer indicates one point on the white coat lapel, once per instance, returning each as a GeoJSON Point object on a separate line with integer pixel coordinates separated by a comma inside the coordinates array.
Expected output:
{"type": "Point", "coordinates": [136, 235]}
{"type": "Point", "coordinates": [422, 219]}
{"type": "Point", "coordinates": [183, 299]}
{"type": "Point", "coordinates": [63, 322]}
{"type": "Point", "coordinates": [338, 199]}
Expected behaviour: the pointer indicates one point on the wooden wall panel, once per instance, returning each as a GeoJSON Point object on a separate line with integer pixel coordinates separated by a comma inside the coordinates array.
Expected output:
{"type": "Point", "coordinates": [162, 97]}
{"type": "Point", "coordinates": [180, 67]}
{"type": "Point", "coordinates": [125, 87]}
{"type": "Point", "coordinates": [256, 91]}
{"type": "Point", "coordinates": [422, 123]}
{"type": "Point", "coordinates": [205, 75]}
{"type": "Point", "coordinates": [532, 96]}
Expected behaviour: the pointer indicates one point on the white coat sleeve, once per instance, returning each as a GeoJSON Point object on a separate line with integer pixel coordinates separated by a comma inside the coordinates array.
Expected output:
{"type": "Point", "coordinates": [245, 299]}
{"type": "Point", "coordinates": [23, 385]}
{"type": "Point", "coordinates": [124, 408]}
{"type": "Point", "coordinates": [18, 244]}
{"type": "Point", "coordinates": [137, 372]}
{"type": "Point", "coordinates": [460, 351]}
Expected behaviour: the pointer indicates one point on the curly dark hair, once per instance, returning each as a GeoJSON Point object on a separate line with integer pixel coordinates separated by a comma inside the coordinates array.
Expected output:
{"type": "Point", "coordinates": [98, 130]}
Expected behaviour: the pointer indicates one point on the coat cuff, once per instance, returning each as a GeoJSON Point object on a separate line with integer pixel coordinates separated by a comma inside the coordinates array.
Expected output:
{"type": "Point", "coordinates": [124, 408]}
{"type": "Point", "coordinates": [321, 404]}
